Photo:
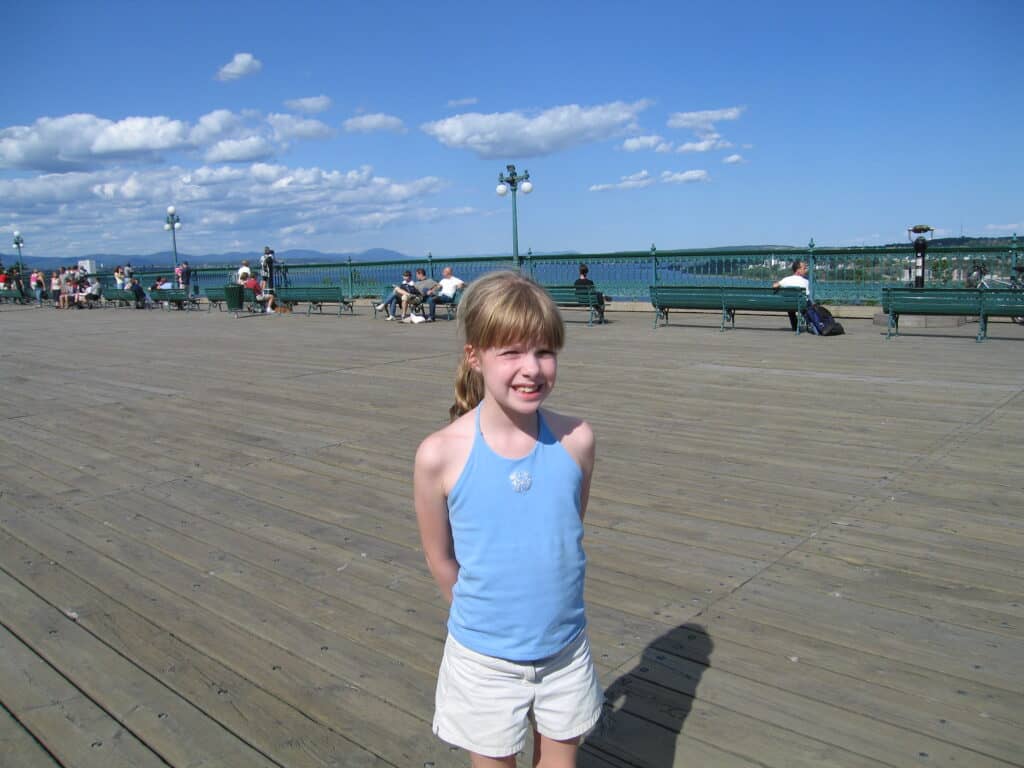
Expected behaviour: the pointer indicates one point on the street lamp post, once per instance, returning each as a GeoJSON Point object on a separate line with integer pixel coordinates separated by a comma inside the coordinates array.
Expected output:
{"type": "Point", "coordinates": [173, 223]}
{"type": "Point", "coordinates": [514, 182]}
{"type": "Point", "coordinates": [19, 241]}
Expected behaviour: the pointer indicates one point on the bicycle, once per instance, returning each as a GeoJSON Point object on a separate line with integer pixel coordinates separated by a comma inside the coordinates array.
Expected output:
{"type": "Point", "coordinates": [980, 277]}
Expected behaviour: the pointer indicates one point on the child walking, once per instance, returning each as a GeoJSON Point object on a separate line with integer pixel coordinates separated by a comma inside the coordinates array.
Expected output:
{"type": "Point", "coordinates": [500, 495]}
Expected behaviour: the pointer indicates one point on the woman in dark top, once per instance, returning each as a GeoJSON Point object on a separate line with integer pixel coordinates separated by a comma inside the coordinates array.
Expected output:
{"type": "Point", "coordinates": [583, 282]}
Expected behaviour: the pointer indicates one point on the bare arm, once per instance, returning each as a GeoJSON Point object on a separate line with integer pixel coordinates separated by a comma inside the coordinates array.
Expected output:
{"type": "Point", "coordinates": [432, 515]}
{"type": "Point", "coordinates": [577, 438]}
{"type": "Point", "coordinates": [587, 452]}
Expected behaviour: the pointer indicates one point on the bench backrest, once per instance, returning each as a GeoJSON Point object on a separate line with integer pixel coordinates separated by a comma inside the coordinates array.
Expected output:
{"type": "Point", "coordinates": [573, 295]}
{"type": "Point", "coordinates": [932, 301]}
{"type": "Point", "coordinates": [169, 294]}
{"type": "Point", "coordinates": [215, 294]}
{"type": "Point", "coordinates": [118, 294]}
{"type": "Point", "coordinates": [316, 293]}
{"type": "Point", "coordinates": [767, 298]}
{"type": "Point", "coordinates": [727, 297]}
{"type": "Point", "coordinates": [1002, 302]}
{"type": "Point", "coordinates": [686, 296]}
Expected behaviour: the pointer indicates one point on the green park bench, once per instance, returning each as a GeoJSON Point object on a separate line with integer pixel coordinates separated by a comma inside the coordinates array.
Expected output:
{"type": "Point", "coordinates": [174, 296]}
{"type": "Point", "coordinates": [982, 303]}
{"type": "Point", "coordinates": [215, 297]}
{"type": "Point", "coordinates": [316, 297]}
{"type": "Point", "coordinates": [728, 300]}
{"type": "Point", "coordinates": [579, 297]}
{"type": "Point", "coordinates": [12, 296]}
{"type": "Point", "coordinates": [419, 304]}
{"type": "Point", "coordinates": [117, 297]}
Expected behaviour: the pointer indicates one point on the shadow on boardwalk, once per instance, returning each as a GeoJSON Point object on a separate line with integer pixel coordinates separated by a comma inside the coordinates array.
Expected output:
{"type": "Point", "coordinates": [646, 707]}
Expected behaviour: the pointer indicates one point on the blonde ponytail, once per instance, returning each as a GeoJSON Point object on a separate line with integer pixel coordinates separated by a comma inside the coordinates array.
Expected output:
{"type": "Point", "coordinates": [469, 389]}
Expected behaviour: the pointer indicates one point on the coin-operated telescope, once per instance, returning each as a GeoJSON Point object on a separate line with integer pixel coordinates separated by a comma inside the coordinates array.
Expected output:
{"type": "Point", "coordinates": [920, 249]}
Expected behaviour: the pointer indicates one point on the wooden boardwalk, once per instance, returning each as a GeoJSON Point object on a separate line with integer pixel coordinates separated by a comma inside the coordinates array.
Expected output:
{"type": "Point", "coordinates": [802, 551]}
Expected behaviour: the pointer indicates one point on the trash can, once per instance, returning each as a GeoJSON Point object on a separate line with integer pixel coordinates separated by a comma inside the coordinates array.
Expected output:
{"type": "Point", "coordinates": [233, 297]}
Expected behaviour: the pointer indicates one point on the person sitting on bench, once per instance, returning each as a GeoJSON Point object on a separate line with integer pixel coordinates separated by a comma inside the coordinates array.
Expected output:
{"type": "Point", "coordinates": [583, 282]}
{"type": "Point", "coordinates": [798, 279]}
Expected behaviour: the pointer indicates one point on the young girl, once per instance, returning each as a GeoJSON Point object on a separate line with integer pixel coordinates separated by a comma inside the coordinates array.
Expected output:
{"type": "Point", "coordinates": [500, 495]}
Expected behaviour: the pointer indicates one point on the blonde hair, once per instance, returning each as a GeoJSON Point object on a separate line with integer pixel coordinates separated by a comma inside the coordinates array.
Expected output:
{"type": "Point", "coordinates": [499, 309]}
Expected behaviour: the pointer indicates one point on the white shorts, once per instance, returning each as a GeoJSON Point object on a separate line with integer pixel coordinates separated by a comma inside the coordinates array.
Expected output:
{"type": "Point", "coordinates": [485, 705]}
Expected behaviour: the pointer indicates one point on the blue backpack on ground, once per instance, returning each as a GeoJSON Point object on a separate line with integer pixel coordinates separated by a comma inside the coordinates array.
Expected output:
{"type": "Point", "coordinates": [820, 321]}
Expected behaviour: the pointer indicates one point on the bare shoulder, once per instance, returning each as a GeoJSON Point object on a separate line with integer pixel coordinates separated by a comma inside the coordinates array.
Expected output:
{"type": "Point", "coordinates": [574, 434]}
{"type": "Point", "coordinates": [443, 453]}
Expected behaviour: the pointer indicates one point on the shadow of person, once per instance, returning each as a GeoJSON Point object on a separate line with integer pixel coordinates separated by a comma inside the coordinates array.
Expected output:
{"type": "Point", "coordinates": [645, 708]}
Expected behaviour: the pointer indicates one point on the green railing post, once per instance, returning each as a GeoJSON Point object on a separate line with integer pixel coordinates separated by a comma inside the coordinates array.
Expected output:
{"type": "Point", "coordinates": [529, 262]}
{"type": "Point", "coordinates": [430, 264]}
{"type": "Point", "coordinates": [654, 264]}
{"type": "Point", "coordinates": [1013, 252]}
{"type": "Point", "coordinates": [810, 269]}
{"type": "Point", "coordinates": [350, 292]}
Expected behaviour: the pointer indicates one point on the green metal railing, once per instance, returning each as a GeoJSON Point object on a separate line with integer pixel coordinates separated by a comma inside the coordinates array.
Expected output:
{"type": "Point", "coordinates": [840, 275]}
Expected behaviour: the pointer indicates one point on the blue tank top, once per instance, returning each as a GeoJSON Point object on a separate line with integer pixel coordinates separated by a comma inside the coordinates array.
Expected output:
{"type": "Point", "coordinates": [519, 544]}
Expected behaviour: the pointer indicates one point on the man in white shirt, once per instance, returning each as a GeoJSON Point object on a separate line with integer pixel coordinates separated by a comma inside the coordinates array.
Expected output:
{"type": "Point", "coordinates": [243, 272]}
{"type": "Point", "coordinates": [444, 293]}
{"type": "Point", "coordinates": [798, 279]}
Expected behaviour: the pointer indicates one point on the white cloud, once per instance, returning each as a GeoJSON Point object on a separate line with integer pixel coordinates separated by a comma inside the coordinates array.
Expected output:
{"type": "Point", "coordinates": [81, 140]}
{"type": "Point", "coordinates": [697, 146]}
{"type": "Point", "coordinates": [505, 134]}
{"type": "Point", "coordinates": [241, 65]}
{"type": "Point", "coordinates": [638, 143]}
{"type": "Point", "coordinates": [310, 104]}
{"type": "Point", "coordinates": [684, 177]}
{"type": "Point", "coordinates": [140, 134]}
{"type": "Point", "coordinates": [733, 159]}
{"type": "Point", "coordinates": [637, 180]}
{"type": "Point", "coordinates": [292, 127]}
{"type": "Point", "coordinates": [467, 102]}
{"type": "Point", "coordinates": [219, 205]}
{"type": "Point", "coordinates": [704, 120]}
{"type": "Point", "coordinates": [51, 143]}
{"type": "Point", "coordinates": [205, 175]}
{"type": "Point", "coordinates": [239, 150]}
{"type": "Point", "coordinates": [373, 123]}
{"type": "Point", "coordinates": [708, 142]}
{"type": "Point", "coordinates": [214, 125]}
{"type": "Point", "coordinates": [1005, 227]}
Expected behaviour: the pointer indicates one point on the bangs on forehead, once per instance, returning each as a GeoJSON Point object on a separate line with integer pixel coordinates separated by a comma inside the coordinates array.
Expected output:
{"type": "Point", "coordinates": [520, 315]}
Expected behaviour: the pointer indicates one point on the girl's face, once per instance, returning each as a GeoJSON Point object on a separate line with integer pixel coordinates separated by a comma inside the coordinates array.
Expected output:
{"type": "Point", "coordinates": [519, 376]}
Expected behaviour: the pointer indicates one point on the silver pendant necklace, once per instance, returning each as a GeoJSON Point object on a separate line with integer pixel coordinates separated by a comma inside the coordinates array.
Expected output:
{"type": "Point", "coordinates": [521, 480]}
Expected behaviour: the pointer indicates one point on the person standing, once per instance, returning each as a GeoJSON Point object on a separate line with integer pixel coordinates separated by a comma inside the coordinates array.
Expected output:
{"type": "Point", "coordinates": [500, 495]}
{"type": "Point", "coordinates": [186, 277]}
{"type": "Point", "coordinates": [267, 267]}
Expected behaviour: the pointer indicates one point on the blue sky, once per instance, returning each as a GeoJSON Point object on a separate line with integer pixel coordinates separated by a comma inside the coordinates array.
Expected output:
{"type": "Point", "coordinates": [342, 126]}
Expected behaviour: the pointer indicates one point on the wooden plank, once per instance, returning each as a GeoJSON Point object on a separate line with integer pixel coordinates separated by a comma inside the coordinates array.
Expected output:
{"type": "Point", "coordinates": [953, 650]}
{"type": "Point", "coordinates": [166, 723]}
{"type": "Point", "coordinates": [298, 680]}
{"type": "Point", "coordinates": [894, 678]}
{"type": "Point", "coordinates": [19, 748]}
{"type": "Point", "coordinates": [283, 732]}
{"type": "Point", "coordinates": [695, 516]}
{"type": "Point", "coordinates": [804, 683]}
{"type": "Point", "coordinates": [70, 726]}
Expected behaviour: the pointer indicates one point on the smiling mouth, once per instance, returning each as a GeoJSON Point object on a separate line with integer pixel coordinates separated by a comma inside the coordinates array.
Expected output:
{"type": "Point", "coordinates": [528, 390]}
